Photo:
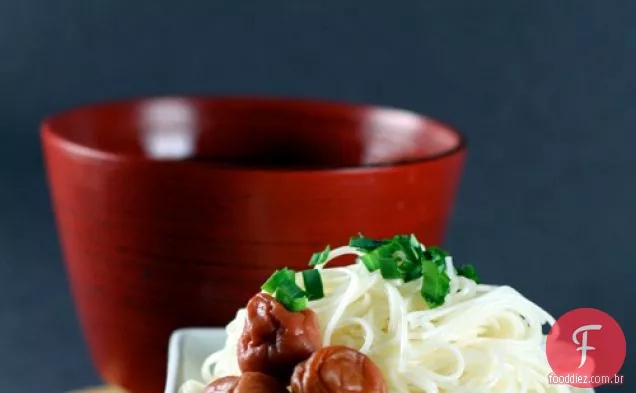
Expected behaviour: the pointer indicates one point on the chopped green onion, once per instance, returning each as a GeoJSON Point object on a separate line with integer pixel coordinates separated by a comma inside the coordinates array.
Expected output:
{"type": "Point", "coordinates": [370, 262]}
{"type": "Point", "coordinates": [291, 275]}
{"type": "Point", "coordinates": [365, 243]}
{"type": "Point", "coordinates": [372, 259]}
{"type": "Point", "coordinates": [320, 257]}
{"type": "Point", "coordinates": [298, 304]}
{"type": "Point", "coordinates": [389, 269]}
{"type": "Point", "coordinates": [410, 270]}
{"type": "Point", "coordinates": [282, 284]}
{"type": "Point", "coordinates": [291, 296]}
{"type": "Point", "coordinates": [409, 245]}
{"type": "Point", "coordinates": [469, 272]}
{"type": "Point", "coordinates": [436, 255]}
{"type": "Point", "coordinates": [401, 257]}
{"type": "Point", "coordinates": [401, 249]}
{"type": "Point", "coordinates": [407, 266]}
{"type": "Point", "coordinates": [435, 284]}
{"type": "Point", "coordinates": [279, 277]}
{"type": "Point", "coordinates": [293, 304]}
{"type": "Point", "coordinates": [291, 289]}
{"type": "Point", "coordinates": [413, 274]}
{"type": "Point", "coordinates": [313, 284]}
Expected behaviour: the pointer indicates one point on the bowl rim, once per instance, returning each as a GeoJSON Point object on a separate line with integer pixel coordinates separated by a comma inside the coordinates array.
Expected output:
{"type": "Point", "coordinates": [49, 135]}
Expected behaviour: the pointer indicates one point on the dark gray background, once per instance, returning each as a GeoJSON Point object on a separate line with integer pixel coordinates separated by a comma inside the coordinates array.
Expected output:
{"type": "Point", "coordinates": [545, 90]}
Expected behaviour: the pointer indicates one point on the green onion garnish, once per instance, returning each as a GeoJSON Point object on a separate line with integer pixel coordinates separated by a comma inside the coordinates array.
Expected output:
{"type": "Point", "coordinates": [436, 255]}
{"type": "Point", "coordinates": [410, 270]}
{"type": "Point", "coordinates": [401, 257]}
{"type": "Point", "coordinates": [409, 245]}
{"type": "Point", "coordinates": [394, 257]}
{"type": "Point", "coordinates": [298, 304]}
{"type": "Point", "coordinates": [291, 296]}
{"type": "Point", "coordinates": [291, 299]}
{"type": "Point", "coordinates": [408, 265]}
{"type": "Point", "coordinates": [320, 257]}
{"type": "Point", "coordinates": [468, 271]}
{"type": "Point", "coordinates": [364, 243]}
{"type": "Point", "coordinates": [389, 269]}
{"type": "Point", "coordinates": [279, 277]}
{"type": "Point", "coordinates": [291, 289]}
{"type": "Point", "coordinates": [371, 262]}
{"type": "Point", "coordinates": [313, 284]}
{"type": "Point", "coordinates": [413, 274]}
{"type": "Point", "coordinates": [282, 284]}
{"type": "Point", "coordinates": [435, 285]}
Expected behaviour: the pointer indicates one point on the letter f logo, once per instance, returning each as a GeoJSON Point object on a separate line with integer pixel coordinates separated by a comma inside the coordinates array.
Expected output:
{"type": "Point", "coordinates": [584, 347]}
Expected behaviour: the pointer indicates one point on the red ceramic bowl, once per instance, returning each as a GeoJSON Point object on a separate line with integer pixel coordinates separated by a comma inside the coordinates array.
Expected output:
{"type": "Point", "coordinates": [172, 212]}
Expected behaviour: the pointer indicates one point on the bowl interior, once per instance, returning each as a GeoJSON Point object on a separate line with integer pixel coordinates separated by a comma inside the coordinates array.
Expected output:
{"type": "Point", "coordinates": [255, 132]}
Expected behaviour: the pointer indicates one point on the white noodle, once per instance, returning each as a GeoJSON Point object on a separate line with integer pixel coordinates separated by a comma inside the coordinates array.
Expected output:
{"type": "Point", "coordinates": [483, 339]}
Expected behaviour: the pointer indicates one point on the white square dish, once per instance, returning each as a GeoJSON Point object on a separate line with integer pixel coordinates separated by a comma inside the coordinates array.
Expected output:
{"type": "Point", "coordinates": [189, 348]}
{"type": "Point", "coordinates": [187, 351]}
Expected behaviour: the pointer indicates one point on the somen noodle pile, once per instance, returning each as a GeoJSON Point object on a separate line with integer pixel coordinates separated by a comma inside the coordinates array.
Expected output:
{"type": "Point", "coordinates": [478, 339]}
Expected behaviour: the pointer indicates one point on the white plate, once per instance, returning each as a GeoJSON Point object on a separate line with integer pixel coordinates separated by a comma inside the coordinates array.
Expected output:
{"type": "Point", "coordinates": [189, 348]}
{"type": "Point", "coordinates": [187, 351]}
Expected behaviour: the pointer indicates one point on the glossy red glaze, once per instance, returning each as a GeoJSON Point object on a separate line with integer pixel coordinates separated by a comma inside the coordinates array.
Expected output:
{"type": "Point", "coordinates": [172, 212]}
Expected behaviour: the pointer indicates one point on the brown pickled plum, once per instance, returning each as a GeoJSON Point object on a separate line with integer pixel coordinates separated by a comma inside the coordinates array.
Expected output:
{"type": "Point", "coordinates": [247, 383]}
{"type": "Point", "coordinates": [221, 385]}
{"type": "Point", "coordinates": [337, 369]}
{"type": "Point", "coordinates": [275, 340]}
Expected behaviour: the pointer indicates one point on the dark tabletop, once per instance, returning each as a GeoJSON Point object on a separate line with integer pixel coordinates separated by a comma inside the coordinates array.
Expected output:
{"type": "Point", "coordinates": [544, 89]}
